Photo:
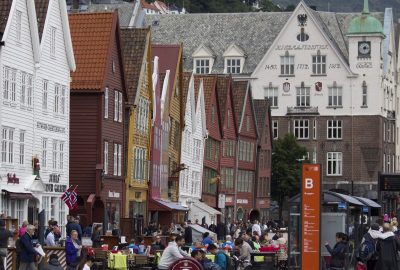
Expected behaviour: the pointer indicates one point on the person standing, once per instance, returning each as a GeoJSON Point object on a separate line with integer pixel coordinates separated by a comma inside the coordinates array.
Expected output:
{"type": "Point", "coordinates": [220, 257]}
{"type": "Point", "coordinates": [188, 234]}
{"type": "Point", "coordinates": [256, 228]}
{"type": "Point", "coordinates": [4, 236]}
{"type": "Point", "coordinates": [367, 250]}
{"type": "Point", "coordinates": [27, 254]}
{"type": "Point", "coordinates": [387, 249]}
{"type": "Point", "coordinates": [50, 239]}
{"type": "Point", "coordinates": [338, 253]}
{"type": "Point", "coordinates": [72, 250]}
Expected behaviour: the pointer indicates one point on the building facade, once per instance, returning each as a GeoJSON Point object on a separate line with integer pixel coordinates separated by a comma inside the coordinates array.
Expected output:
{"type": "Point", "coordinates": [98, 95]}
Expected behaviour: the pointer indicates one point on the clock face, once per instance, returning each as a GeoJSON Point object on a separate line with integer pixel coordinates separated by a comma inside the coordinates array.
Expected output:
{"type": "Point", "coordinates": [364, 48]}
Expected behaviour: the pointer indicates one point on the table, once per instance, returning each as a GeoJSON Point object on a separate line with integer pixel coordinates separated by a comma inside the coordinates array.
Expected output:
{"type": "Point", "coordinates": [117, 261]}
{"type": "Point", "coordinates": [265, 259]}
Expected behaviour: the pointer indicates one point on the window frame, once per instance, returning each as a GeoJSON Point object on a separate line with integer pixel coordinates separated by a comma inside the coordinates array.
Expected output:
{"type": "Point", "coordinates": [233, 65]}
{"type": "Point", "coordinates": [275, 128]}
{"type": "Point", "coordinates": [7, 145]}
{"type": "Point", "coordinates": [18, 26]}
{"type": "Point", "coordinates": [335, 96]}
{"type": "Point", "coordinates": [333, 170]}
{"type": "Point", "coordinates": [301, 128]}
{"type": "Point", "coordinates": [271, 94]}
{"type": "Point", "coordinates": [319, 64]}
{"type": "Point", "coordinates": [287, 65]}
{"type": "Point", "coordinates": [334, 127]}
{"type": "Point", "coordinates": [105, 161]}
{"type": "Point", "coordinates": [202, 65]}
{"type": "Point", "coordinates": [53, 39]}
{"type": "Point", "coordinates": [303, 94]}
{"type": "Point", "coordinates": [106, 105]}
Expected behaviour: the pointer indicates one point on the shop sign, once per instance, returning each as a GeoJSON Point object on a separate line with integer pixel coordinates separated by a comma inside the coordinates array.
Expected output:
{"type": "Point", "coordinates": [221, 201]}
{"type": "Point", "coordinates": [228, 199]}
{"type": "Point", "coordinates": [242, 201]}
{"type": "Point", "coordinates": [12, 178]}
{"type": "Point", "coordinates": [112, 194]}
{"type": "Point", "coordinates": [311, 216]}
{"type": "Point", "coordinates": [53, 185]}
{"type": "Point", "coordinates": [50, 127]}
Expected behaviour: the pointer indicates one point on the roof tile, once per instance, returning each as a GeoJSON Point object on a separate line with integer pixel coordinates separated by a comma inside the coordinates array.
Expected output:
{"type": "Point", "coordinates": [239, 90]}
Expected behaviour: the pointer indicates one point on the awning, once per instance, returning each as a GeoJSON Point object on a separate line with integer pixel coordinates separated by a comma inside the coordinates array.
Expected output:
{"type": "Point", "coordinates": [162, 205]}
{"type": "Point", "coordinates": [205, 207]}
{"type": "Point", "coordinates": [368, 202]}
{"type": "Point", "coordinates": [18, 195]}
{"type": "Point", "coordinates": [346, 198]}
{"type": "Point", "coordinates": [334, 197]}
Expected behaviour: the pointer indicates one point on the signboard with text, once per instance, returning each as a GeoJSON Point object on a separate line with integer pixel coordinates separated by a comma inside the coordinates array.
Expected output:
{"type": "Point", "coordinates": [311, 216]}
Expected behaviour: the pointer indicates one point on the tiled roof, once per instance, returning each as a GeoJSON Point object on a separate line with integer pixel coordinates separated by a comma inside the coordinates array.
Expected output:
{"type": "Point", "coordinates": [91, 38]}
{"type": "Point", "coordinates": [239, 90]}
{"type": "Point", "coordinates": [5, 7]}
{"type": "Point", "coordinates": [133, 43]}
{"type": "Point", "coordinates": [41, 7]}
{"type": "Point", "coordinates": [148, 6]}
{"type": "Point", "coordinates": [260, 109]}
{"type": "Point", "coordinates": [168, 60]}
{"type": "Point", "coordinates": [223, 84]}
{"type": "Point", "coordinates": [209, 84]}
{"type": "Point", "coordinates": [125, 10]}
{"type": "Point", "coordinates": [254, 32]}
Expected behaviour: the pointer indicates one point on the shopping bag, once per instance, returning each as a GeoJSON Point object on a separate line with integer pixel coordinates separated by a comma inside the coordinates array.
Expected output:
{"type": "Point", "coordinates": [361, 266]}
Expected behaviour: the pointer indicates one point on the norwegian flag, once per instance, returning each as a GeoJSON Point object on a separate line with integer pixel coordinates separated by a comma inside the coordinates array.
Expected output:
{"type": "Point", "coordinates": [70, 198]}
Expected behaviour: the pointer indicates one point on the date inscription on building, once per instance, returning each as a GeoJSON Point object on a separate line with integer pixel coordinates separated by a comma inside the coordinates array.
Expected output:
{"type": "Point", "coordinates": [49, 127]}
{"type": "Point", "coordinates": [301, 47]}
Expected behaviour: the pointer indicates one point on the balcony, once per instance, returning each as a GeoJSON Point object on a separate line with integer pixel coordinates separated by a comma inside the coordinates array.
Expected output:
{"type": "Point", "coordinates": [302, 110]}
{"type": "Point", "coordinates": [391, 115]}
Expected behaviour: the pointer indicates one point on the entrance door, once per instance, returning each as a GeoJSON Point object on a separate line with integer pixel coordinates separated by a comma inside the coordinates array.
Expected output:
{"type": "Point", "coordinates": [32, 210]}
{"type": "Point", "coordinates": [98, 212]}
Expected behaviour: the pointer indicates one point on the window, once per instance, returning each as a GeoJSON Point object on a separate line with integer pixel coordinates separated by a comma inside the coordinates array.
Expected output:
{"type": "Point", "coordinates": [287, 64]}
{"type": "Point", "coordinates": [26, 89]}
{"type": "Point", "coordinates": [55, 154]}
{"type": "Point", "coordinates": [246, 151]}
{"type": "Point", "coordinates": [119, 160]}
{"type": "Point", "coordinates": [23, 88]}
{"type": "Point", "coordinates": [334, 164]}
{"type": "Point", "coordinates": [56, 98]}
{"type": "Point", "coordinates": [228, 148]}
{"type": "Point", "coordinates": [209, 185]}
{"type": "Point", "coordinates": [301, 129]}
{"type": "Point", "coordinates": [315, 129]}
{"type": "Point", "coordinates": [209, 147]}
{"type": "Point", "coordinates": [44, 153]}
{"type": "Point", "coordinates": [18, 26]}
{"type": "Point", "coordinates": [105, 157]}
{"type": "Point", "coordinates": [335, 96]}
{"type": "Point", "coordinates": [245, 181]}
{"type": "Point", "coordinates": [21, 147]}
{"type": "Point", "coordinates": [302, 96]}
{"type": "Point", "coordinates": [319, 64]}
{"type": "Point", "coordinates": [117, 106]}
{"type": "Point", "coordinates": [63, 89]}
{"type": "Point", "coordinates": [45, 94]}
{"type": "Point", "coordinates": [227, 178]}
{"type": "Point", "coordinates": [53, 32]}
{"type": "Point", "coordinates": [140, 164]}
{"type": "Point", "coordinates": [271, 94]}
{"type": "Point", "coordinates": [197, 150]}
{"type": "Point", "coordinates": [61, 153]}
{"type": "Point", "coordinates": [229, 119]}
{"type": "Point", "coordinates": [202, 66]}
{"type": "Point", "coordinates": [7, 145]}
{"type": "Point", "coordinates": [213, 114]}
{"type": "Point", "coordinates": [106, 103]}
{"type": "Point", "coordinates": [10, 87]}
{"type": "Point", "coordinates": [115, 159]}
{"type": "Point", "coordinates": [142, 116]}
{"type": "Point", "coordinates": [334, 129]}
{"type": "Point", "coordinates": [247, 123]}
{"type": "Point", "coordinates": [275, 130]}
{"type": "Point", "coordinates": [233, 66]}
{"type": "Point", "coordinates": [364, 94]}
{"type": "Point", "coordinates": [120, 107]}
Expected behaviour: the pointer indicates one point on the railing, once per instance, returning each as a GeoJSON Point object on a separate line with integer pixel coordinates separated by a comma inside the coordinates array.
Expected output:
{"type": "Point", "coordinates": [302, 110]}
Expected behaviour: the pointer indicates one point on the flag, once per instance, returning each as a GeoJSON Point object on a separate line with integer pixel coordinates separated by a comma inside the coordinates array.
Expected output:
{"type": "Point", "coordinates": [70, 198]}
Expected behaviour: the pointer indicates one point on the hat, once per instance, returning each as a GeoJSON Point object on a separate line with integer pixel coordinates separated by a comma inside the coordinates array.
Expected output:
{"type": "Point", "coordinates": [375, 227]}
{"type": "Point", "coordinates": [282, 241]}
{"type": "Point", "coordinates": [2, 223]}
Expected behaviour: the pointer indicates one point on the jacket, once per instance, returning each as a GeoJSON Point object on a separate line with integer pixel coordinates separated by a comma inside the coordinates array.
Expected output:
{"type": "Point", "coordinates": [4, 235]}
{"type": "Point", "coordinates": [209, 265]}
{"type": "Point", "coordinates": [387, 249]}
{"type": "Point", "coordinates": [54, 264]}
{"type": "Point", "coordinates": [27, 251]}
{"type": "Point", "coordinates": [221, 260]}
{"type": "Point", "coordinates": [338, 254]}
{"type": "Point", "coordinates": [188, 234]}
{"type": "Point", "coordinates": [245, 251]}
{"type": "Point", "coordinates": [170, 255]}
{"type": "Point", "coordinates": [71, 252]}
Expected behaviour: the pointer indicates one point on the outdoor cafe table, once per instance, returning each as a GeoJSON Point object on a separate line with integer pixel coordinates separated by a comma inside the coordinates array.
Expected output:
{"type": "Point", "coordinates": [117, 261]}
{"type": "Point", "coordinates": [263, 258]}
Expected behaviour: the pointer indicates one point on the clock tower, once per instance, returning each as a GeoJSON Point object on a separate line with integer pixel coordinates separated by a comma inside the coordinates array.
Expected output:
{"type": "Point", "coordinates": [365, 35]}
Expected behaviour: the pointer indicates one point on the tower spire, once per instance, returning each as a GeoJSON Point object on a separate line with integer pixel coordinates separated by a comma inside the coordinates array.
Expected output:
{"type": "Point", "coordinates": [366, 8]}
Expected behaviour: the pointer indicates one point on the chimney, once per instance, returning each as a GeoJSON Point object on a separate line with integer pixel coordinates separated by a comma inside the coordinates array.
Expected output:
{"type": "Point", "coordinates": [75, 4]}
{"type": "Point", "coordinates": [313, 8]}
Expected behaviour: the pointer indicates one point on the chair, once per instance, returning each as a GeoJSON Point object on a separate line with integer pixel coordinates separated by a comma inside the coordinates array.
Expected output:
{"type": "Point", "coordinates": [100, 258]}
{"type": "Point", "coordinates": [142, 262]}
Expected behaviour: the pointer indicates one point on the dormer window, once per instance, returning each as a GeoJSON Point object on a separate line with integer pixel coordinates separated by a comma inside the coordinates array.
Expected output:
{"type": "Point", "coordinates": [202, 66]}
{"type": "Point", "coordinates": [234, 59]}
{"type": "Point", "coordinates": [203, 60]}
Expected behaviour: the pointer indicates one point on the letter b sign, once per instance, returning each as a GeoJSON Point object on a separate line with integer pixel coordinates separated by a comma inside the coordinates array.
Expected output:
{"type": "Point", "coordinates": [308, 183]}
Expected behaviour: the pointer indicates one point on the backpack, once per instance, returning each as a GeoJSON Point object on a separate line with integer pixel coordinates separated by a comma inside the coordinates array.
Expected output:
{"type": "Point", "coordinates": [366, 250]}
{"type": "Point", "coordinates": [230, 265]}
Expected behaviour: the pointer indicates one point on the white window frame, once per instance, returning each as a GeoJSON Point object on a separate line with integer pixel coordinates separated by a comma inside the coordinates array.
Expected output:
{"type": "Point", "coordinates": [55, 154]}
{"type": "Point", "coordinates": [56, 107]}
{"type": "Point", "coordinates": [63, 100]}
{"type": "Point", "coordinates": [275, 129]}
{"type": "Point", "coordinates": [18, 26]}
{"type": "Point", "coordinates": [120, 107]}
{"type": "Point", "coordinates": [61, 154]}
{"type": "Point", "coordinates": [43, 162]}
{"type": "Point", "coordinates": [364, 95]}
{"type": "Point", "coordinates": [196, 150]}
{"type": "Point", "coordinates": [202, 65]}
{"type": "Point", "coordinates": [106, 103]}
{"type": "Point", "coordinates": [271, 94]}
{"type": "Point", "coordinates": [335, 96]}
{"type": "Point", "coordinates": [7, 145]}
{"type": "Point", "coordinates": [315, 129]}
{"type": "Point", "coordinates": [45, 94]}
{"type": "Point", "coordinates": [116, 105]}
{"type": "Point", "coordinates": [119, 160]}
{"type": "Point", "coordinates": [287, 65]}
{"type": "Point", "coordinates": [334, 129]}
{"type": "Point", "coordinates": [53, 34]}
{"type": "Point", "coordinates": [303, 96]}
{"type": "Point", "coordinates": [302, 128]}
{"type": "Point", "coordinates": [105, 157]}
{"type": "Point", "coordinates": [23, 88]}
{"type": "Point", "coordinates": [319, 64]}
{"type": "Point", "coordinates": [115, 159]}
{"type": "Point", "coordinates": [22, 147]}
{"type": "Point", "coordinates": [9, 84]}
{"type": "Point", "coordinates": [233, 65]}
{"type": "Point", "coordinates": [334, 163]}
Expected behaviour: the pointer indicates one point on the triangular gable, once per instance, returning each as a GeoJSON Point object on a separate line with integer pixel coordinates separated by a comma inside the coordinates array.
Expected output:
{"type": "Point", "coordinates": [234, 50]}
{"type": "Point", "coordinates": [200, 108]}
{"type": "Point", "coordinates": [321, 30]}
{"type": "Point", "coordinates": [203, 51]}
{"type": "Point", "coordinates": [189, 100]}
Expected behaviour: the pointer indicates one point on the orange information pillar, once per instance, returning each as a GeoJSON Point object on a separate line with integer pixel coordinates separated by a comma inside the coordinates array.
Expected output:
{"type": "Point", "coordinates": [311, 217]}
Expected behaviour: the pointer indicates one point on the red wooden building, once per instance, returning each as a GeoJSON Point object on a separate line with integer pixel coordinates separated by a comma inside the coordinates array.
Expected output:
{"type": "Point", "coordinates": [98, 94]}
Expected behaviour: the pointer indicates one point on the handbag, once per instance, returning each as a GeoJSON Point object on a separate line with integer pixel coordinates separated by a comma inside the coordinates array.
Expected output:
{"type": "Point", "coordinates": [361, 266]}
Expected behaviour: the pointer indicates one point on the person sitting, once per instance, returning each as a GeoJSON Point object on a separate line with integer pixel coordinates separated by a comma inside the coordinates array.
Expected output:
{"type": "Point", "coordinates": [172, 253]}
{"type": "Point", "coordinates": [228, 245]}
{"type": "Point", "coordinates": [54, 263]}
{"type": "Point", "coordinates": [157, 245]}
{"type": "Point", "coordinates": [200, 256]}
{"type": "Point", "coordinates": [220, 256]}
{"type": "Point", "coordinates": [137, 246]}
{"type": "Point", "coordinates": [207, 239]}
{"type": "Point", "coordinates": [244, 249]}
{"type": "Point", "coordinates": [256, 242]}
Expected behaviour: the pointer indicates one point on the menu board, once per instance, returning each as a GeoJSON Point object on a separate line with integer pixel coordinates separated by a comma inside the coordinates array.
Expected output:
{"type": "Point", "coordinates": [311, 216]}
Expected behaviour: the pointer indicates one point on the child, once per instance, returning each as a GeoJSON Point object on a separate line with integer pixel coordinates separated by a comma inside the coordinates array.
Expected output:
{"type": "Point", "coordinates": [88, 264]}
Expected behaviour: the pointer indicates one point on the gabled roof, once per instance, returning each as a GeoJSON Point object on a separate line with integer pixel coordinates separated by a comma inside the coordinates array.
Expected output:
{"type": "Point", "coordinates": [92, 36]}
{"type": "Point", "coordinates": [239, 99]}
{"type": "Point", "coordinates": [41, 7]}
{"type": "Point", "coordinates": [125, 10]}
{"type": "Point", "coordinates": [261, 108]}
{"type": "Point", "coordinates": [223, 84]}
{"type": "Point", "coordinates": [254, 32]}
{"type": "Point", "coordinates": [185, 87]}
{"type": "Point", "coordinates": [148, 5]}
{"type": "Point", "coordinates": [133, 42]}
{"type": "Point", "coordinates": [5, 7]}
{"type": "Point", "coordinates": [209, 84]}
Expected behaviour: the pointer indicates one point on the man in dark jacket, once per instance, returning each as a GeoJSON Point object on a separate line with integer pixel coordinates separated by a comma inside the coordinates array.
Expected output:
{"type": "Point", "coordinates": [188, 234]}
{"type": "Point", "coordinates": [387, 249]}
{"type": "Point", "coordinates": [221, 231]}
{"type": "Point", "coordinates": [73, 225]}
{"type": "Point", "coordinates": [54, 264]}
{"type": "Point", "coordinates": [338, 253]}
{"type": "Point", "coordinates": [4, 235]}
{"type": "Point", "coordinates": [27, 254]}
